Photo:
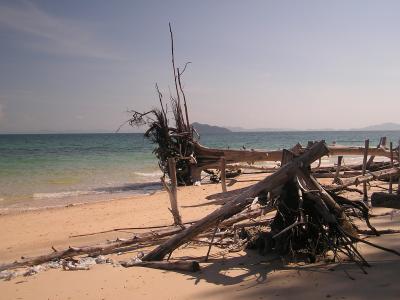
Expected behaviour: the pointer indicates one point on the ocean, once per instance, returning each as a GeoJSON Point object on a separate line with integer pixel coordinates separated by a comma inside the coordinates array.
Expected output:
{"type": "Point", "coordinates": [38, 170]}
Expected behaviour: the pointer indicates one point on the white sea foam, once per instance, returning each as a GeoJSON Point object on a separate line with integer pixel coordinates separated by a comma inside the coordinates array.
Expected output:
{"type": "Point", "coordinates": [150, 174]}
{"type": "Point", "coordinates": [65, 194]}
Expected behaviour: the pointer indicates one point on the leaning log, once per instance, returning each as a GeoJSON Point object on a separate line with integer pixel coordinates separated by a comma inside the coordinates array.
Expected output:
{"type": "Point", "coordinates": [238, 204]}
{"type": "Point", "coordinates": [179, 265]}
{"type": "Point", "coordinates": [385, 200]}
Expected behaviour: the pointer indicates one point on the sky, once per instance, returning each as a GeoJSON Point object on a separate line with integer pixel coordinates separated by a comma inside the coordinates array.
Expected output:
{"type": "Point", "coordinates": [78, 66]}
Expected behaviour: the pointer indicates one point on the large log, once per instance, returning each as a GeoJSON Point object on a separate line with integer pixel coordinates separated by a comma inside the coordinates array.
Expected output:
{"type": "Point", "coordinates": [357, 151]}
{"type": "Point", "coordinates": [385, 200]}
{"type": "Point", "coordinates": [238, 204]}
{"type": "Point", "coordinates": [210, 158]}
{"type": "Point", "coordinates": [179, 265]}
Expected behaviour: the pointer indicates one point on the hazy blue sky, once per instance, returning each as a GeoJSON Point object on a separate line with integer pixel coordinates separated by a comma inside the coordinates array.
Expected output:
{"type": "Point", "coordinates": [78, 65]}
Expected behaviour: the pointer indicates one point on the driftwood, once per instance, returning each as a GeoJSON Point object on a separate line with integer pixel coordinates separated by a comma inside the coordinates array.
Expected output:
{"type": "Point", "coordinates": [123, 245]}
{"type": "Point", "coordinates": [363, 178]}
{"type": "Point", "coordinates": [384, 231]}
{"type": "Point", "coordinates": [385, 200]}
{"type": "Point", "coordinates": [91, 250]}
{"type": "Point", "coordinates": [223, 174]}
{"type": "Point", "coordinates": [252, 167]}
{"type": "Point", "coordinates": [382, 144]}
{"type": "Point", "coordinates": [172, 191]}
{"type": "Point", "coordinates": [179, 265]}
{"type": "Point", "coordinates": [235, 206]}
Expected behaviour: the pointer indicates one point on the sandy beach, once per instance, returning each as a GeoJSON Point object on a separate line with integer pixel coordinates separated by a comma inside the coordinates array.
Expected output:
{"type": "Point", "coordinates": [239, 275]}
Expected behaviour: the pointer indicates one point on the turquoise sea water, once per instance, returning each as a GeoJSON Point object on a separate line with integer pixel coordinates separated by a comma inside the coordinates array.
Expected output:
{"type": "Point", "coordinates": [46, 169]}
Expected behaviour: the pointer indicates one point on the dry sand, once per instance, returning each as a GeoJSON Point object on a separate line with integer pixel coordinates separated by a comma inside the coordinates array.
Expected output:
{"type": "Point", "coordinates": [227, 275]}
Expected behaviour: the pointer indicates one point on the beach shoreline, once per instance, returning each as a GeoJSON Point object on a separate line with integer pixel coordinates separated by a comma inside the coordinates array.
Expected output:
{"type": "Point", "coordinates": [227, 276]}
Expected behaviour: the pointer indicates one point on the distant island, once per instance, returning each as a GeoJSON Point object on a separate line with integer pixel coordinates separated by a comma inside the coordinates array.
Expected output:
{"type": "Point", "coordinates": [211, 129]}
{"type": "Point", "coordinates": [383, 126]}
{"type": "Point", "coordinates": [207, 129]}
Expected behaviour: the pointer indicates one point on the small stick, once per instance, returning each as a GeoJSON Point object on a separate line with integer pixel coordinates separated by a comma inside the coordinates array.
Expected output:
{"type": "Point", "coordinates": [339, 163]}
{"type": "Point", "coordinates": [223, 174]}
{"type": "Point", "coordinates": [391, 164]}
{"type": "Point", "coordinates": [374, 245]}
{"type": "Point", "coordinates": [212, 241]}
{"type": "Point", "coordinates": [382, 143]}
{"type": "Point", "coordinates": [365, 191]}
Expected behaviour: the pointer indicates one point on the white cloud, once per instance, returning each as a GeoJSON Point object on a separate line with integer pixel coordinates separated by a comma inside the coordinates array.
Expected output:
{"type": "Point", "coordinates": [55, 35]}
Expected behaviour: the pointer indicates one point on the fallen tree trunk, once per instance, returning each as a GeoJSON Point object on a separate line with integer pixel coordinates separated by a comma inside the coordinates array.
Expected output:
{"type": "Point", "coordinates": [332, 175]}
{"type": "Point", "coordinates": [179, 265]}
{"type": "Point", "coordinates": [235, 206]}
{"type": "Point", "coordinates": [354, 151]}
{"type": "Point", "coordinates": [210, 158]}
{"type": "Point", "coordinates": [374, 166]}
{"type": "Point", "coordinates": [252, 167]}
{"type": "Point", "coordinates": [385, 200]}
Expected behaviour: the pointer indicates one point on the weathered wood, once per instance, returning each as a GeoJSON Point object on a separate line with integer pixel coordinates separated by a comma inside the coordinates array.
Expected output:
{"type": "Point", "coordinates": [174, 191]}
{"type": "Point", "coordinates": [385, 200]}
{"type": "Point", "coordinates": [238, 204]}
{"type": "Point", "coordinates": [392, 165]}
{"type": "Point", "coordinates": [211, 243]}
{"type": "Point", "coordinates": [251, 214]}
{"type": "Point", "coordinates": [339, 164]}
{"type": "Point", "coordinates": [223, 175]}
{"type": "Point", "coordinates": [253, 224]}
{"type": "Point", "coordinates": [375, 166]}
{"type": "Point", "coordinates": [95, 249]}
{"type": "Point", "coordinates": [382, 143]}
{"type": "Point", "coordinates": [328, 207]}
{"type": "Point", "coordinates": [364, 178]}
{"type": "Point", "coordinates": [357, 151]}
{"type": "Point", "coordinates": [398, 159]}
{"type": "Point", "coordinates": [251, 167]}
{"type": "Point", "coordinates": [210, 158]}
{"type": "Point", "coordinates": [179, 265]}
{"type": "Point", "coordinates": [341, 175]}
{"type": "Point", "coordinates": [365, 190]}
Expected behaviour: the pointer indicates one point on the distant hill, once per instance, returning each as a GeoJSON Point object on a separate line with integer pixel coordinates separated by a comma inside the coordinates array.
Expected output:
{"type": "Point", "coordinates": [383, 126]}
{"type": "Point", "coordinates": [241, 129]}
{"type": "Point", "coordinates": [205, 128]}
{"type": "Point", "coordinates": [378, 127]}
